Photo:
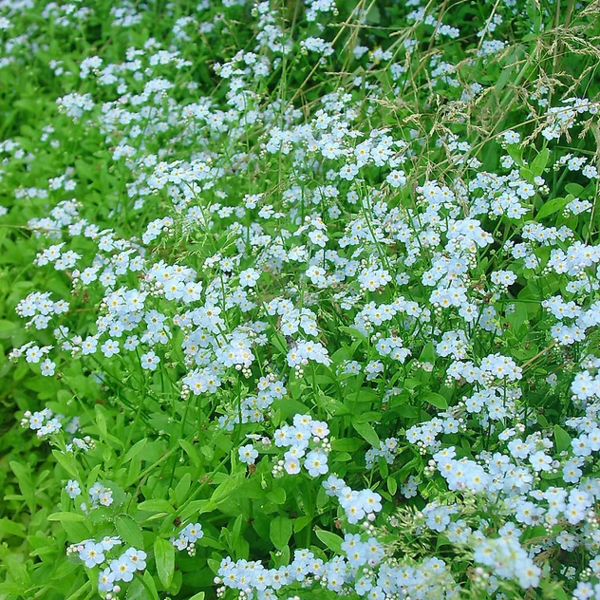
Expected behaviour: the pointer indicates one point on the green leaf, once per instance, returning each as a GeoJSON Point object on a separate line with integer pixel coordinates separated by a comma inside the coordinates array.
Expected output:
{"type": "Point", "coordinates": [280, 343]}
{"type": "Point", "coordinates": [574, 188]}
{"type": "Point", "coordinates": [346, 444]}
{"type": "Point", "coordinates": [26, 486]}
{"type": "Point", "coordinates": [93, 475]}
{"type": "Point", "coordinates": [332, 541]}
{"type": "Point", "coordinates": [553, 590]}
{"type": "Point", "coordinates": [236, 530]}
{"type": "Point", "coordinates": [373, 16]}
{"type": "Point", "coordinates": [81, 591]}
{"type": "Point", "coordinates": [301, 522]}
{"type": "Point", "coordinates": [7, 328]}
{"type": "Point", "coordinates": [225, 489]}
{"type": "Point", "coordinates": [136, 590]}
{"type": "Point", "coordinates": [101, 421]}
{"type": "Point", "coordinates": [539, 164]}
{"type": "Point", "coordinates": [197, 507]}
{"type": "Point", "coordinates": [415, 464]}
{"type": "Point", "coordinates": [412, 383]}
{"type": "Point", "coordinates": [436, 400]}
{"type": "Point", "coordinates": [180, 492]}
{"type": "Point", "coordinates": [357, 335]}
{"type": "Point", "coordinates": [198, 596]}
{"type": "Point", "coordinates": [561, 438]}
{"type": "Point", "coordinates": [551, 206]}
{"type": "Point", "coordinates": [277, 496]}
{"type": "Point", "coordinates": [150, 585]}
{"type": "Point", "coordinates": [514, 151]}
{"type": "Point", "coordinates": [280, 531]}
{"type": "Point", "coordinates": [332, 406]}
{"type": "Point", "coordinates": [164, 554]}
{"type": "Point", "coordinates": [505, 76]}
{"type": "Point", "coordinates": [135, 450]}
{"type": "Point", "coordinates": [156, 506]}
{"type": "Point", "coordinates": [66, 516]}
{"type": "Point", "coordinates": [368, 417]}
{"type": "Point", "coordinates": [392, 485]}
{"type": "Point", "coordinates": [366, 431]}
{"type": "Point", "coordinates": [407, 411]}
{"type": "Point", "coordinates": [428, 353]}
{"type": "Point", "coordinates": [130, 531]}
{"type": "Point", "coordinates": [9, 527]}
{"type": "Point", "coordinates": [191, 452]}
{"type": "Point", "coordinates": [77, 530]}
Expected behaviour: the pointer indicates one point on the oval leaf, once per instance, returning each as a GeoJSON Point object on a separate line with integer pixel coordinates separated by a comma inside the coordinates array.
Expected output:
{"type": "Point", "coordinates": [332, 541]}
{"type": "Point", "coordinates": [561, 438]}
{"type": "Point", "coordinates": [436, 400]}
{"type": "Point", "coordinates": [366, 431]}
{"type": "Point", "coordinates": [280, 531]}
{"type": "Point", "coordinates": [130, 531]}
{"type": "Point", "coordinates": [66, 516]}
{"type": "Point", "coordinates": [164, 554]}
{"type": "Point", "coordinates": [551, 206]}
{"type": "Point", "coordinates": [156, 506]}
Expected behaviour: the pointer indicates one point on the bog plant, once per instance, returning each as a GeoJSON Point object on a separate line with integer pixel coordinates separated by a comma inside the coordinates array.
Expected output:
{"type": "Point", "coordinates": [300, 300]}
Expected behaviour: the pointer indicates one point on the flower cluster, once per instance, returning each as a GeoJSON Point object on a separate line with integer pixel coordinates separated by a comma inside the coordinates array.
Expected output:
{"type": "Point", "coordinates": [304, 248]}
{"type": "Point", "coordinates": [357, 505]}
{"type": "Point", "coordinates": [187, 537]}
{"type": "Point", "coordinates": [118, 569]}
{"type": "Point", "coordinates": [307, 446]}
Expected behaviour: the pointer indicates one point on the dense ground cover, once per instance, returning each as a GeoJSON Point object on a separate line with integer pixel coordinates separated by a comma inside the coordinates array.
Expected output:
{"type": "Point", "coordinates": [299, 300]}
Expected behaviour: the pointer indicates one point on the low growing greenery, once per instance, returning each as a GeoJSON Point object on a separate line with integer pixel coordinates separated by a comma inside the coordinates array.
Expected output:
{"type": "Point", "coordinates": [300, 300]}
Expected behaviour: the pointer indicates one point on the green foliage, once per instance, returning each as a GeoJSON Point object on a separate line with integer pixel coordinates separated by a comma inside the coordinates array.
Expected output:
{"type": "Point", "coordinates": [211, 166]}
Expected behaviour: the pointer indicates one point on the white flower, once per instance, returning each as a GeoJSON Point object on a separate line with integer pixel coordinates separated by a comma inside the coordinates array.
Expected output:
{"type": "Point", "coordinates": [122, 568]}
{"type": "Point", "coordinates": [137, 557]}
{"type": "Point", "coordinates": [92, 554]}
{"type": "Point", "coordinates": [72, 488]}
{"type": "Point", "coordinates": [150, 361]}
{"type": "Point", "coordinates": [248, 454]}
